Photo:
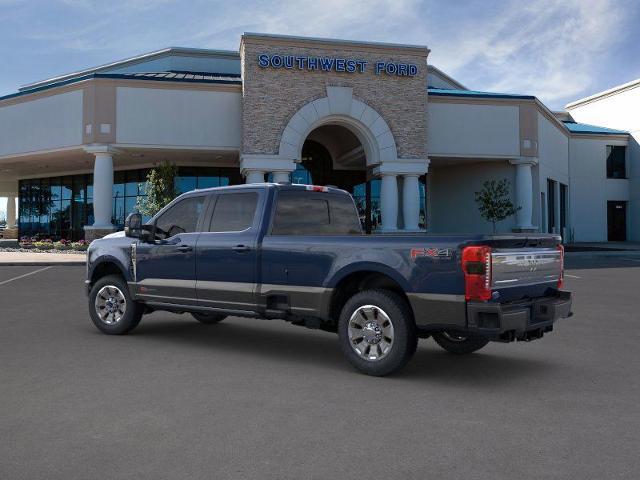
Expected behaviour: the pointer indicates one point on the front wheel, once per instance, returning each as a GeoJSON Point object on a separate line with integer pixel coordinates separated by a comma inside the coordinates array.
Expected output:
{"type": "Point", "coordinates": [377, 333]}
{"type": "Point", "coordinates": [459, 344]}
{"type": "Point", "coordinates": [111, 307]}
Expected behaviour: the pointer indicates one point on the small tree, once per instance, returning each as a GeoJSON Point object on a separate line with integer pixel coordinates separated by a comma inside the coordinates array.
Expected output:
{"type": "Point", "coordinates": [494, 201]}
{"type": "Point", "coordinates": [160, 188]}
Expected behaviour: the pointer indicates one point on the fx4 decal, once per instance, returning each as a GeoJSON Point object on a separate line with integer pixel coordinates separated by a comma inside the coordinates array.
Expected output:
{"type": "Point", "coordinates": [431, 252]}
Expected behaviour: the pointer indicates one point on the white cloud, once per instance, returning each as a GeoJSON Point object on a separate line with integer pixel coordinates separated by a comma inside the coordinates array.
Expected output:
{"type": "Point", "coordinates": [547, 48]}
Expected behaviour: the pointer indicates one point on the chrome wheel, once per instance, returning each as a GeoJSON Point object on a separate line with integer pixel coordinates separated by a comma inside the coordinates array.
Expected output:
{"type": "Point", "coordinates": [454, 338]}
{"type": "Point", "coordinates": [370, 332]}
{"type": "Point", "coordinates": [110, 304]}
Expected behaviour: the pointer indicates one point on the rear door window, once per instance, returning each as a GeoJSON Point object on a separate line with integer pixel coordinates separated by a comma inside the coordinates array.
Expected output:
{"type": "Point", "coordinates": [234, 212]}
{"type": "Point", "coordinates": [314, 213]}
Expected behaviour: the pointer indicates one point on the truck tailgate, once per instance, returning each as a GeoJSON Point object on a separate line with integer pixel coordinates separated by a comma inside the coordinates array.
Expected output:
{"type": "Point", "coordinates": [512, 267]}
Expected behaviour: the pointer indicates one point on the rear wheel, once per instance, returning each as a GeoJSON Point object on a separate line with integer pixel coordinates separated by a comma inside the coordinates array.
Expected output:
{"type": "Point", "coordinates": [459, 344]}
{"type": "Point", "coordinates": [111, 307]}
{"type": "Point", "coordinates": [208, 318]}
{"type": "Point", "coordinates": [377, 333]}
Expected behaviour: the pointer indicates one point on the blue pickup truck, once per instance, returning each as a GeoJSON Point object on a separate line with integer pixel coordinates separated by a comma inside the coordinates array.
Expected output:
{"type": "Point", "coordinates": [297, 253]}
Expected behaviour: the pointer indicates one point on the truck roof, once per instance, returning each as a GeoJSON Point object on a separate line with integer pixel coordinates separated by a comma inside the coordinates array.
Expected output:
{"type": "Point", "coordinates": [269, 185]}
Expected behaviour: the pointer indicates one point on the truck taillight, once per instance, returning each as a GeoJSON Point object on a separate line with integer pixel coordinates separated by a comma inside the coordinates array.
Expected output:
{"type": "Point", "coordinates": [476, 265]}
{"type": "Point", "coordinates": [561, 276]}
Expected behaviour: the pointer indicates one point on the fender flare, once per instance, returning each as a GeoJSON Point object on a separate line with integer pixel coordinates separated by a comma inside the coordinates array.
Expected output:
{"type": "Point", "coordinates": [111, 260]}
{"type": "Point", "coordinates": [368, 267]}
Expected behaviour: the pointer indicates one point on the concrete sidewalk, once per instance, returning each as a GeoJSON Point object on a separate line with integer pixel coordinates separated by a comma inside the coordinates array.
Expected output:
{"type": "Point", "coordinates": [606, 246]}
{"type": "Point", "coordinates": [38, 259]}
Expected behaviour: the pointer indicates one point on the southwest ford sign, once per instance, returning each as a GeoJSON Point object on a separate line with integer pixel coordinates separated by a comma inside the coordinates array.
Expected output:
{"type": "Point", "coordinates": [333, 64]}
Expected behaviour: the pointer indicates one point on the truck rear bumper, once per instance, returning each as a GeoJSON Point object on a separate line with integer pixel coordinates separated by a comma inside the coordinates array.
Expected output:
{"type": "Point", "coordinates": [522, 320]}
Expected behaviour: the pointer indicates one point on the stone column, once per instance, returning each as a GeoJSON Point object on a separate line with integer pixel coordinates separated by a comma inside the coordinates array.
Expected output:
{"type": "Point", "coordinates": [410, 169]}
{"type": "Point", "coordinates": [102, 192]}
{"type": "Point", "coordinates": [389, 202]}
{"type": "Point", "coordinates": [11, 212]}
{"type": "Point", "coordinates": [411, 202]}
{"type": "Point", "coordinates": [254, 176]}
{"type": "Point", "coordinates": [524, 193]}
{"type": "Point", "coordinates": [281, 176]}
{"type": "Point", "coordinates": [253, 166]}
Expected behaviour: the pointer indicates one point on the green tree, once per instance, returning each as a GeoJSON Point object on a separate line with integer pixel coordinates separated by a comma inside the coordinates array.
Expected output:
{"type": "Point", "coordinates": [160, 188]}
{"type": "Point", "coordinates": [494, 201]}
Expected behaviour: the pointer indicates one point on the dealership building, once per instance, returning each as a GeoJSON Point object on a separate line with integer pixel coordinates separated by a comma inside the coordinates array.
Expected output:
{"type": "Point", "coordinates": [411, 144]}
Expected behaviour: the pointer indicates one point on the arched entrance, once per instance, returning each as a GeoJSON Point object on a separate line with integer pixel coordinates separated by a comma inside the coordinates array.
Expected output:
{"type": "Point", "coordinates": [333, 155]}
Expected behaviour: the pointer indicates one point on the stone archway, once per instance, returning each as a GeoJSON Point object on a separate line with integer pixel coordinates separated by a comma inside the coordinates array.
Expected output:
{"type": "Point", "coordinates": [339, 107]}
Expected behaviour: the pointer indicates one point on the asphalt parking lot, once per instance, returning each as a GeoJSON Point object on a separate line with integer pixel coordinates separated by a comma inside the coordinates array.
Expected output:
{"type": "Point", "coordinates": [266, 400]}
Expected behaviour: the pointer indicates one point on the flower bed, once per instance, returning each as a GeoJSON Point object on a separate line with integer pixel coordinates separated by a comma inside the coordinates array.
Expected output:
{"type": "Point", "coordinates": [35, 244]}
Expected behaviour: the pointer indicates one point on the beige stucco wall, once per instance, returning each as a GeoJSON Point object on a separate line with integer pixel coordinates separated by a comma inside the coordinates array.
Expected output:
{"type": "Point", "coordinates": [460, 129]}
{"type": "Point", "coordinates": [50, 122]}
{"type": "Point", "coordinates": [272, 96]}
{"type": "Point", "coordinates": [178, 117]}
{"type": "Point", "coordinates": [619, 110]}
{"type": "Point", "coordinates": [451, 197]}
{"type": "Point", "coordinates": [590, 189]}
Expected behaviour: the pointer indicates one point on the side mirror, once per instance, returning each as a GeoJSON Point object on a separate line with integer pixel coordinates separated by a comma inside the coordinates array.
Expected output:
{"type": "Point", "coordinates": [133, 225]}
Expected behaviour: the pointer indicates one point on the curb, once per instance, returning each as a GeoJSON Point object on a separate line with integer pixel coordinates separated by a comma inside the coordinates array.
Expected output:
{"type": "Point", "coordinates": [42, 264]}
{"type": "Point", "coordinates": [595, 253]}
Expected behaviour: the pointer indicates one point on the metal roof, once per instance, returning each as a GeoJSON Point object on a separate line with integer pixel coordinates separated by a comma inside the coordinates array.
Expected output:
{"type": "Point", "coordinates": [135, 60]}
{"type": "Point", "coordinates": [585, 128]}
{"type": "Point", "coordinates": [444, 92]}
{"type": "Point", "coordinates": [187, 77]}
{"type": "Point", "coordinates": [176, 75]}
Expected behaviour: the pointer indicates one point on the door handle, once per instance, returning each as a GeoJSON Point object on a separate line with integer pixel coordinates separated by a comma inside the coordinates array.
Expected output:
{"type": "Point", "coordinates": [184, 248]}
{"type": "Point", "coordinates": [241, 248]}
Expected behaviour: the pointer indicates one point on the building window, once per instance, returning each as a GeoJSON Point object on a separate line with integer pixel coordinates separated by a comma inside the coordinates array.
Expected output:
{"type": "Point", "coordinates": [616, 163]}
{"type": "Point", "coordinates": [564, 189]}
{"type": "Point", "coordinates": [60, 207]}
{"type": "Point", "coordinates": [551, 205]}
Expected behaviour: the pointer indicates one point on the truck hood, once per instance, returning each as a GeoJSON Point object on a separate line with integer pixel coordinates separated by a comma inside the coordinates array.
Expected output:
{"type": "Point", "coordinates": [115, 234]}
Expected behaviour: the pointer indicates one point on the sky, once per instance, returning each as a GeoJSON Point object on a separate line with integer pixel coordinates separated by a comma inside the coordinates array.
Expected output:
{"type": "Point", "coordinates": [557, 50]}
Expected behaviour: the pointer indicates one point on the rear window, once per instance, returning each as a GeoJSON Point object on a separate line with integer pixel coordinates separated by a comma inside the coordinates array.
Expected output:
{"type": "Point", "coordinates": [315, 213]}
{"type": "Point", "coordinates": [234, 212]}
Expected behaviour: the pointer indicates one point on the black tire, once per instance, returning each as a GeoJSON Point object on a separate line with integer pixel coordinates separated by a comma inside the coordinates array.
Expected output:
{"type": "Point", "coordinates": [208, 318]}
{"type": "Point", "coordinates": [131, 310]}
{"type": "Point", "coordinates": [459, 345]}
{"type": "Point", "coordinates": [404, 334]}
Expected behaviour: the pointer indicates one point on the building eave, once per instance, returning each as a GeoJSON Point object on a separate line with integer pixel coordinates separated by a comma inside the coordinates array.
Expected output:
{"type": "Point", "coordinates": [116, 76]}
{"type": "Point", "coordinates": [606, 93]}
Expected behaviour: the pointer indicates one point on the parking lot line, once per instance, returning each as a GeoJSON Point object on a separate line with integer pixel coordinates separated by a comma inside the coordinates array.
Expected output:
{"type": "Point", "coordinates": [633, 259]}
{"type": "Point", "coordinates": [25, 275]}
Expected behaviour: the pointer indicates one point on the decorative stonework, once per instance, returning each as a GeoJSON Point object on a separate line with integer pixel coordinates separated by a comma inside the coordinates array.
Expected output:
{"type": "Point", "coordinates": [10, 233]}
{"type": "Point", "coordinates": [271, 96]}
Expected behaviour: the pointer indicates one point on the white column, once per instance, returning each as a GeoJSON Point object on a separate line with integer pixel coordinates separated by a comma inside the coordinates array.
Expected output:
{"type": "Point", "coordinates": [254, 176]}
{"type": "Point", "coordinates": [389, 202]}
{"type": "Point", "coordinates": [410, 202]}
{"type": "Point", "coordinates": [524, 192]}
{"type": "Point", "coordinates": [281, 176]}
{"type": "Point", "coordinates": [11, 212]}
{"type": "Point", "coordinates": [103, 190]}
